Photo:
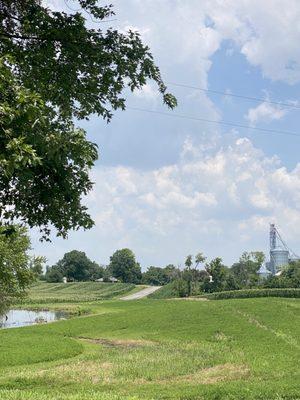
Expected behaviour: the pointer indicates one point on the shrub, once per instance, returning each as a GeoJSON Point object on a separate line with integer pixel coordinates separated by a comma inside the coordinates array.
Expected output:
{"type": "Point", "coordinates": [250, 293]}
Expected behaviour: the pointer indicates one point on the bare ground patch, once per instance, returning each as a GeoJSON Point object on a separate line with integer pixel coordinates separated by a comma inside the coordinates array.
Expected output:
{"type": "Point", "coordinates": [122, 343]}
{"type": "Point", "coordinates": [81, 371]}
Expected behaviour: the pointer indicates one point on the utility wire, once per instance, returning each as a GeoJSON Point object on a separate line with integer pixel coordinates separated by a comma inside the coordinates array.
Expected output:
{"type": "Point", "coordinates": [234, 95]}
{"type": "Point", "coordinates": [226, 123]}
{"type": "Point", "coordinates": [90, 15]}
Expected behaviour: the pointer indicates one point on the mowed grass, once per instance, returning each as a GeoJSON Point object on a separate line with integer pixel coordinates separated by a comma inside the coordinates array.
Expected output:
{"type": "Point", "coordinates": [158, 349]}
{"type": "Point", "coordinates": [43, 292]}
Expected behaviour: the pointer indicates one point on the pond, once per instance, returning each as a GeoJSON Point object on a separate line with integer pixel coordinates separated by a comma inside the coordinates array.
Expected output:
{"type": "Point", "coordinates": [18, 318]}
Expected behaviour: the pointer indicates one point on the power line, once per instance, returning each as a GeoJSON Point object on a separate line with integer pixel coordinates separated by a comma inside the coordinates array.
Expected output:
{"type": "Point", "coordinates": [90, 16]}
{"type": "Point", "coordinates": [226, 123]}
{"type": "Point", "coordinates": [234, 95]}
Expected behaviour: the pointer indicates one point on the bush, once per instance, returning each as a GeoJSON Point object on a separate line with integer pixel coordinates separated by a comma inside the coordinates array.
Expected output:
{"type": "Point", "coordinates": [250, 293]}
{"type": "Point", "coordinates": [54, 275]}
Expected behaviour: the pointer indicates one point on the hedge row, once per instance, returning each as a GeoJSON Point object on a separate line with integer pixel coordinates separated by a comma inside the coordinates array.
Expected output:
{"type": "Point", "coordinates": [248, 293]}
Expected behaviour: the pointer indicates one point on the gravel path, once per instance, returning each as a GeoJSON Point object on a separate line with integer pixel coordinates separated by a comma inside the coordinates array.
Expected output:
{"type": "Point", "coordinates": [142, 293]}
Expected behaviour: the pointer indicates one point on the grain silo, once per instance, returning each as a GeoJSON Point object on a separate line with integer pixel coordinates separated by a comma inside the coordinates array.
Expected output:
{"type": "Point", "coordinates": [279, 256]}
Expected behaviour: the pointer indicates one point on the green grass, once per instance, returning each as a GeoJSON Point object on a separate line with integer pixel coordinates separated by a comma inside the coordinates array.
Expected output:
{"type": "Point", "coordinates": [158, 349]}
{"type": "Point", "coordinates": [43, 292]}
{"type": "Point", "coordinates": [165, 292]}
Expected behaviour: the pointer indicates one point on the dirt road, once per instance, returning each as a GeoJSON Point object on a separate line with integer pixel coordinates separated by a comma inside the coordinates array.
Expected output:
{"type": "Point", "coordinates": [142, 293]}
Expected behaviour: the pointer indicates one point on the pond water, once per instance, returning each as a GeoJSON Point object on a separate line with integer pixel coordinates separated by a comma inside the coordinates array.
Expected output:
{"type": "Point", "coordinates": [17, 318]}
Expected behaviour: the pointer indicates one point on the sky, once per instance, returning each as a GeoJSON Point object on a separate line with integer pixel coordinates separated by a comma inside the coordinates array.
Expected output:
{"type": "Point", "coordinates": [167, 186]}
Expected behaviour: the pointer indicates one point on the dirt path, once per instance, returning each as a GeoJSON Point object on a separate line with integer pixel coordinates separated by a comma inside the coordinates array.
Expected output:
{"type": "Point", "coordinates": [142, 293]}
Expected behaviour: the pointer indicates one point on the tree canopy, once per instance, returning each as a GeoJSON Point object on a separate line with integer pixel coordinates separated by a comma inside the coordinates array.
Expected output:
{"type": "Point", "coordinates": [17, 267]}
{"type": "Point", "coordinates": [75, 266]}
{"type": "Point", "coordinates": [245, 271]}
{"type": "Point", "coordinates": [123, 266]}
{"type": "Point", "coordinates": [160, 276]}
{"type": "Point", "coordinates": [54, 69]}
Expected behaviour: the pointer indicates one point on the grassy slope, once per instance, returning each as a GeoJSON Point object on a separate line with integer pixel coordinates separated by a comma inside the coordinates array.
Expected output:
{"type": "Point", "coordinates": [165, 292]}
{"type": "Point", "coordinates": [233, 349]}
{"type": "Point", "coordinates": [43, 292]}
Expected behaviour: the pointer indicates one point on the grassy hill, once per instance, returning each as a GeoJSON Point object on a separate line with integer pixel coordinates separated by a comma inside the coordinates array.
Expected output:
{"type": "Point", "coordinates": [43, 292]}
{"type": "Point", "coordinates": [158, 349]}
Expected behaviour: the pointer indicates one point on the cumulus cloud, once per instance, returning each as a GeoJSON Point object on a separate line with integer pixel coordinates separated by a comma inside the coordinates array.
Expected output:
{"type": "Point", "coordinates": [265, 33]}
{"type": "Point", "coordinates": [265, 112]}
{"type": "Point", "coordinates": [228, 194]}
{"type": "Point", "coordinates": [219, 200]}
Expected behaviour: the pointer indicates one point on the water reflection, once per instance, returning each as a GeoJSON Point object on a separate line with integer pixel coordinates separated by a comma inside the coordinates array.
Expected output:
{"type": "Point", "coordinates": [17, 318]}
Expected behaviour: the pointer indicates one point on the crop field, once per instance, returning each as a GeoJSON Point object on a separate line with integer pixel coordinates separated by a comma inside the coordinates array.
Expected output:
{"type": "Point", "coordinates": [158, 349]}
{"type": "Point", "coordinates": [43, 292]}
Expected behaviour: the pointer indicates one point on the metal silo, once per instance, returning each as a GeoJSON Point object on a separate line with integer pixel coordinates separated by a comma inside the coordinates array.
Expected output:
{"type": "Point", "coordinates": [279, 258]}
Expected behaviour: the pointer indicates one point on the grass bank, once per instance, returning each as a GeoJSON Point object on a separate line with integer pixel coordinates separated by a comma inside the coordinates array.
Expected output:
{"type": "Point", "coordinates": [146, 349]}
{"type": "Point", "coordinates": [167, 291]}
{"type": "Point", "coordinates": [74, 292]}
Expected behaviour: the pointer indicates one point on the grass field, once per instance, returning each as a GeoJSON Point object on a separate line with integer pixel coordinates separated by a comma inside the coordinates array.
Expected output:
{"type": "Point", "coordinates": [158, 349]}
{"type": "Point", "coordinates": [43, 292]}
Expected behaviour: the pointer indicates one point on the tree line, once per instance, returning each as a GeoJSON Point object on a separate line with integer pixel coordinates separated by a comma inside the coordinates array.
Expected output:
{"type": "Point", "coordinates": [18, 269]}
{"type": "Point", "coordinates": [197, 276]}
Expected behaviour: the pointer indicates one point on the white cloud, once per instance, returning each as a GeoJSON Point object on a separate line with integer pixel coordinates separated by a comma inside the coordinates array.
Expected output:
{"type": "Point", "coordinates": [265, 112]}
{"type": "Point", "coordinates": [219, 201]}
{"type": "Point", "coordinates": [267, 33]}
{"type": "Point", "coordinates": [148, 92]}
{"type": "Point", "coordinates": [205, 197]}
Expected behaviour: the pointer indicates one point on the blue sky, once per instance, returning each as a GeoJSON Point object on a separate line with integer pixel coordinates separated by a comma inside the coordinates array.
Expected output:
{"type": "Point", "coordinates": [167, 187]}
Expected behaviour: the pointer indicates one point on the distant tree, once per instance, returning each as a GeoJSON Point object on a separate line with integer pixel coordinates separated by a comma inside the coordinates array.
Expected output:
{"type": "Point", "coordinates": [197, 276]}
{"type": "Point", "coordinates": [96, 271]}
{"type": "Point", "coordinates": [36, 265]}
{"type": "Point", "coordinates": [54, 275]}
{"type": "Point", "coordinates": [230, 282]}
{"type": "Point", "coordinates": [199, 259]}
{"type": "Point", "coordinates": [245, 271]}
{"type": "Point", "coordinates": [154, 276]}
{"type": "Point", "coordinates": [15, 264]}
{"type": "Point", "coordinates": [160, 276]}
{"type": "Point", "coordinates": [289, 277]}
{"type": "Point", "coordinates": [76, 266]}
{"type": "Point", "coordinates": [292, 274]}
{"type": "Point", "coordinates": [189, 261]}
{"type": "Point", "coordinates": [187, 275]}
{"type": "Point", "coordinates": [123, 266]}
{"type": "Point", "coordinates": [172, 272]}
{"type": "Point", "coordinates": [218, 274]}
